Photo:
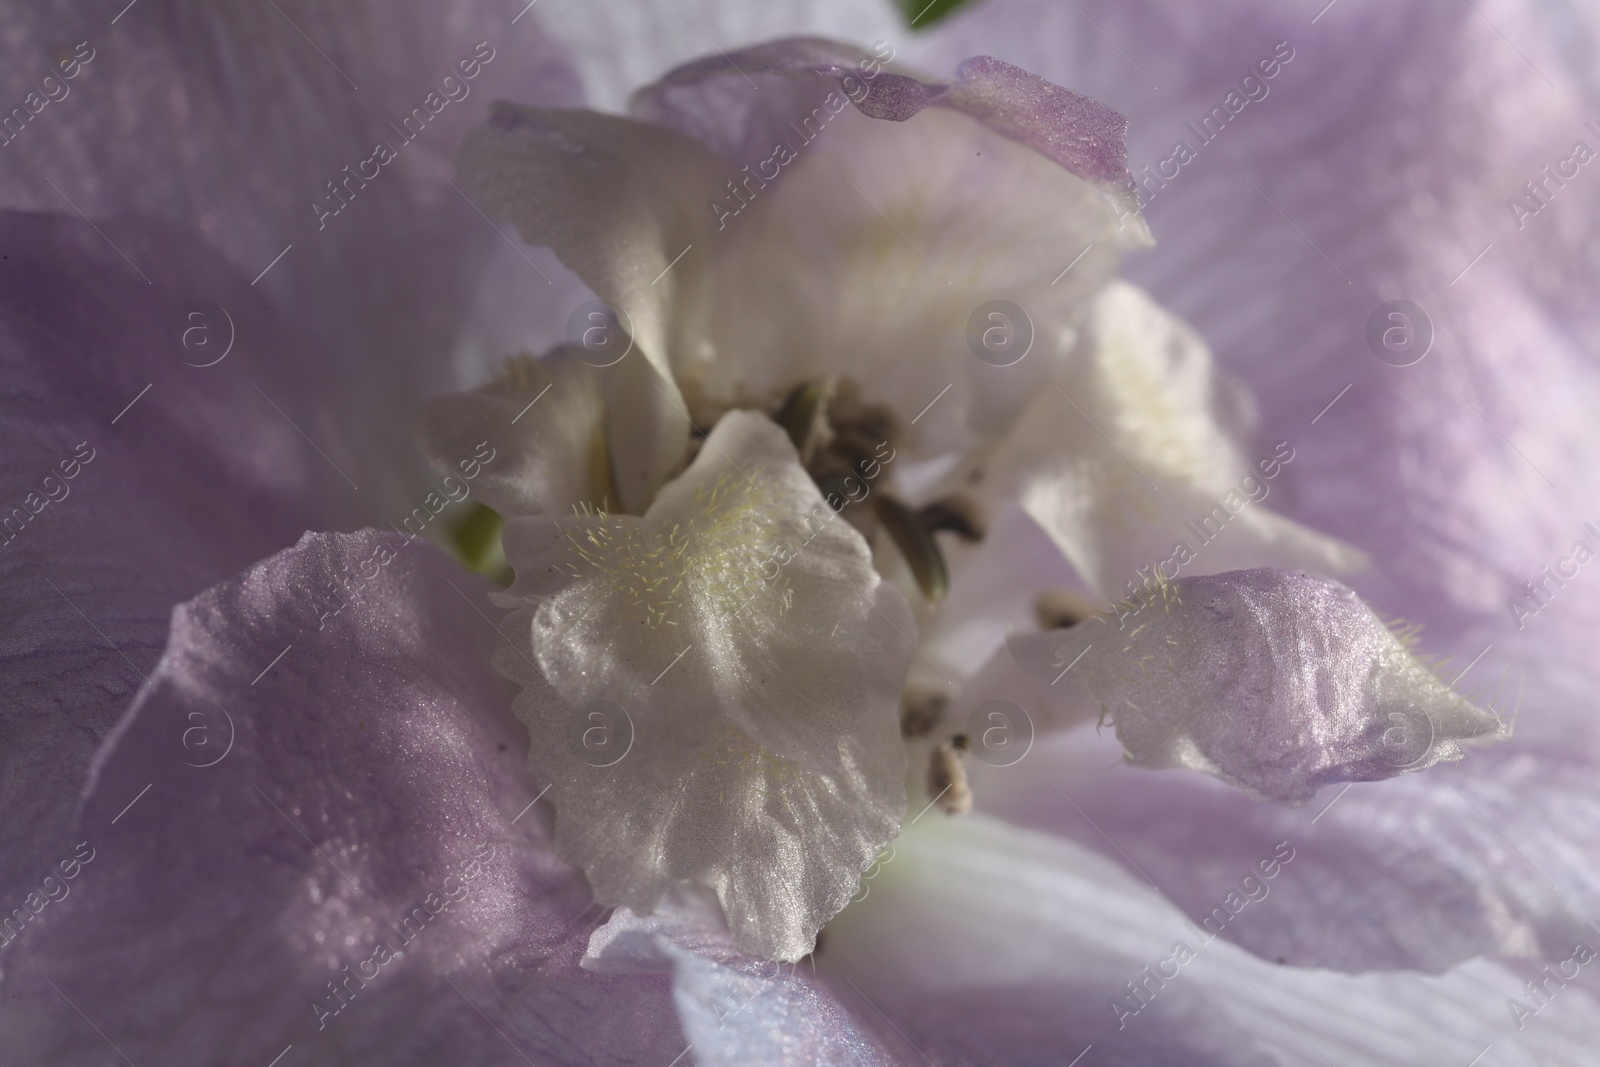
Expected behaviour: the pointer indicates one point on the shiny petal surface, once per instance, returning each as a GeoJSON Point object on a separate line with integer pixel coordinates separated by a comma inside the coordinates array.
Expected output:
{"type": "Point", "coordinates": [761, 759]}
{"type": "Point", "coordinates": [981, 943]}
{"type": "Point", "coordinates": [738, 598]}
{"type": "Point", "coordinates": [341, 860]}
{"type": "Point", "coordinates": [133, 478]}
{"type": "Point", "coordinates": [1276, 682]}
{"type": "Point", "coordinates": [782, 845]}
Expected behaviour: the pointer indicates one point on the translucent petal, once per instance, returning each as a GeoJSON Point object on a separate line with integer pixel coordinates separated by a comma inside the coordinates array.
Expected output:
{"type": "Point", "coordinates": [618, 201]}
{"type": "Point", "coordinates": [736, 1010]}
{"type": "Point", "coordinates": [979, 942]}
{"type": "Point", "coordinates": [1135, 460]}
{"type": "Point", "coordinates": [1276, 682]}
{"type": "Point", "coordinates": [544, 423]}
{"type": "Point", "coordinates": [311, 829]}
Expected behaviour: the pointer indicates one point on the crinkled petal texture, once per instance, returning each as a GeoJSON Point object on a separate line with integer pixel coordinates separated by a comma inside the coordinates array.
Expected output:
{"type": "Point", "coordinates": [1135, 459]}
{"type": "Point", "coordinates": [1276, 682]}
{"type": "Point", "coordinates": [736, 1009]}
{"type": "Point", "coordinates": [335, 861]}
{"type": "Point", "coordinates": [737, 598]}
{"type": "Point", "coordinates": [554, 461]}
{"type": "Point", "coordinates": [740, 639]}
{"type": "Point", "coordinates": [131, 481]}
{"type": "Point", "coordinates": [984, 944]}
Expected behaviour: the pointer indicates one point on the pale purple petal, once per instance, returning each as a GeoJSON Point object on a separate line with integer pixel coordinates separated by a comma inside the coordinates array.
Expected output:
{"type": "Point", "coordinates": [234, 123]}
{"type": "Point", "coordinates": [372, 794]}
{"type": "Point", "coordinates": [714, 100]}
{"type": "Point", "coordinates": [1423, 872]}
{"type": "Point", "coordinates": [131, 481]}
{"type": "Point", "coordinates": [984, 943]}
{"type": "Point", "coordinates": [1375, 180]}
{"type": "Point", "coordinates": [1276, 682]}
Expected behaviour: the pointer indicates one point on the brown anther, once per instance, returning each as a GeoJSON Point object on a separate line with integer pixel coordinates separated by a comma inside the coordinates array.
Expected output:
{"type": "Point", "coordinates": [921, 711]}
{"type": "Point", "coordinates": [959, 514]}
{"type": "Point", "coordinates": [1056, 609]}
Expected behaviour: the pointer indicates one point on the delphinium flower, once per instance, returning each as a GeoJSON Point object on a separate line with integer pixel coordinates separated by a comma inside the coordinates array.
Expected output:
{"type": "Point", "coordinates": [860, 510]}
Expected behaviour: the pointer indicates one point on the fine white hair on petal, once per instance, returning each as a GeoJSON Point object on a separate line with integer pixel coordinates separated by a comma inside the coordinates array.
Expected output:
{"type": "Point", "coordinates": [739, 638]}
{"type": "Point", "coordinates": [1276, 682]}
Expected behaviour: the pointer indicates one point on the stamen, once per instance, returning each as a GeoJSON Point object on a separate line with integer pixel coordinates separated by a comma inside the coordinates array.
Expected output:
{"type": "Point", "coordinates": [915, 542]}
{"type": "Point", "coordinates": [947, 778]}
{"type": "Point", "coordinates": [804, 417]}
{"type": "Point", "coordinates": [959, 514]}
{"type": "Point", "coordinates": [1056, 609]}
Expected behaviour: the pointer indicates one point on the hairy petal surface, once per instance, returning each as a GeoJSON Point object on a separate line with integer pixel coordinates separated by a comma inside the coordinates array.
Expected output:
{"type": "Point", "coordinates": [346, 872]}
{"type": "Point", "coordinates": [782, 845]}
{"type": "Point", "coordinates": [1276, 682]}
{"type": "Point", "coordinates": [738, 598]}
{"type": "Point", "coordinates": [739, 638]}
{"type": "Point", "coordinates": [130, 482]}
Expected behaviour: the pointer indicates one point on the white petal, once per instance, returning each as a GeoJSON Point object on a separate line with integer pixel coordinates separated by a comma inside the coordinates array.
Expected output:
{"type": "Point", "coordinates": [618, 201]}
{"type": "Point", "coordinates": [1276, 682]}
{"type": "Point", "coordinates": [735, 1010]}
{"type": "Point", "coordinates": [1133, 461]}
{"type": "Point", "coordinates": [782, 845]}
{"type": "Point", "coordinates": [739, 639]}
{"type": "Point", "coordinates": [550, 457]}
{"type": "Point", "coordinates": [865, 258]}
{"type": "Point", "coordinates": [738, 597]}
